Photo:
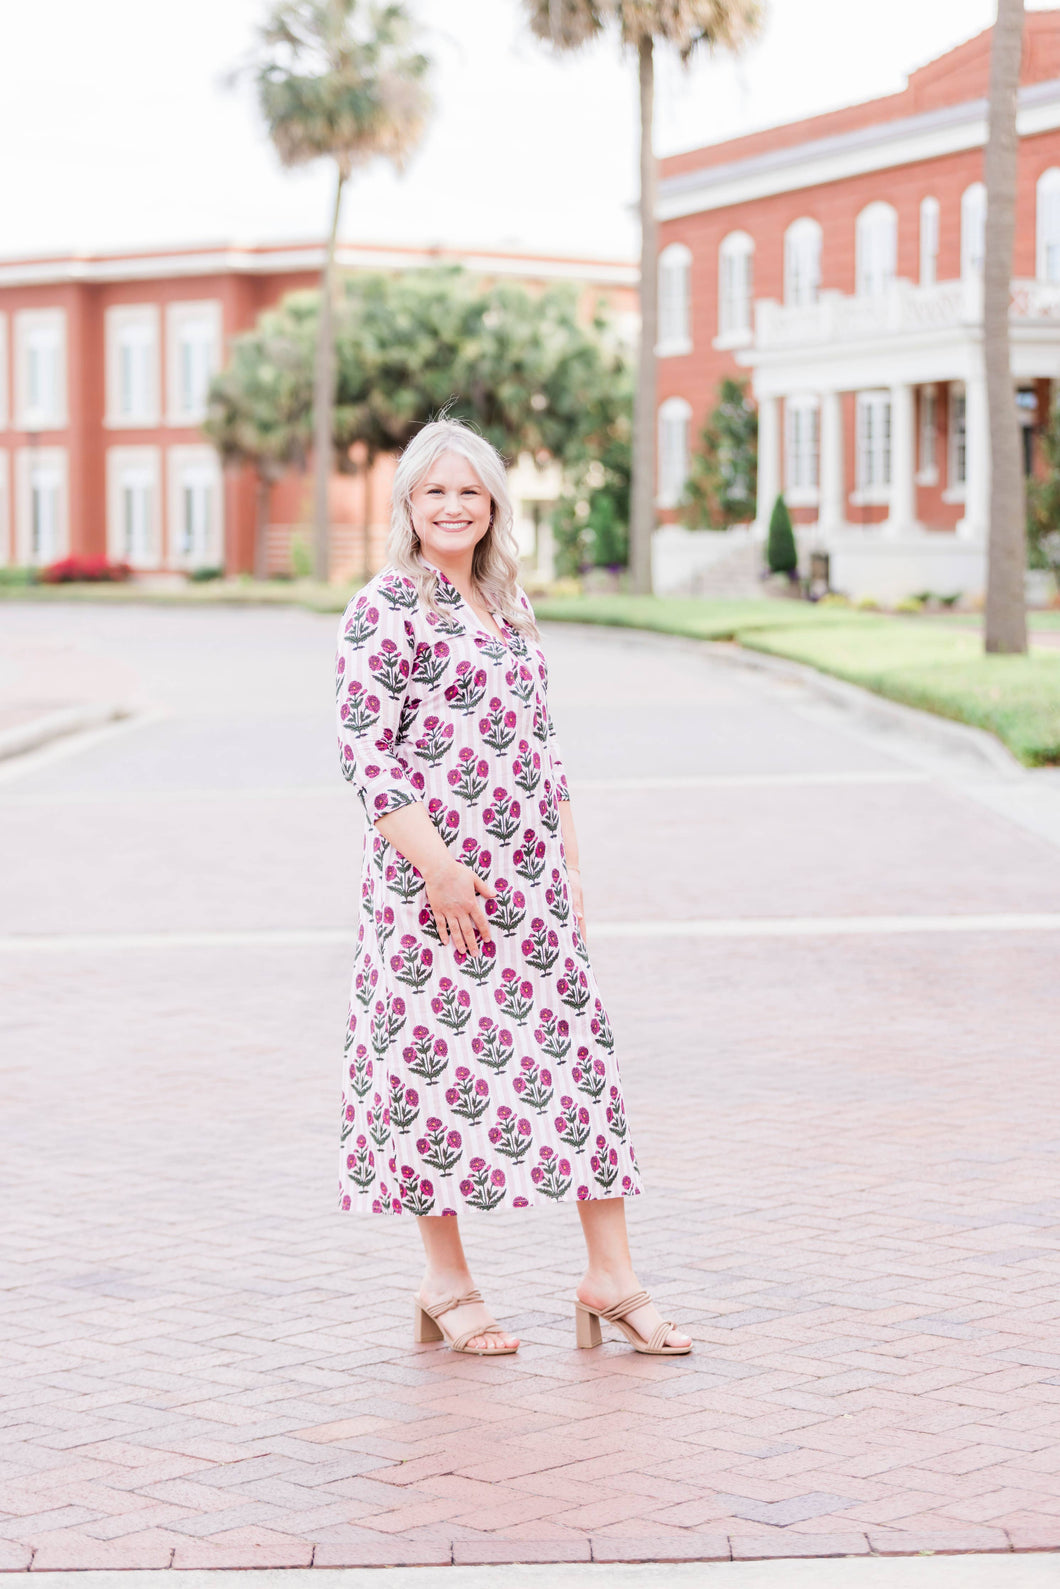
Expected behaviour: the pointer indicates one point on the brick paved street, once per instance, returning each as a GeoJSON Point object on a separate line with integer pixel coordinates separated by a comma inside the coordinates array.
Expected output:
{"type": "Point", "coordinates": [843, 1094]}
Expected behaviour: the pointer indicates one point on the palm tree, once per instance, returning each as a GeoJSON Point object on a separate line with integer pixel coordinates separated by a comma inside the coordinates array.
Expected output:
{"type": "Point", "coordinates": [685, 24]}
{"type": "Point", "coordinates": [1006, 614]}
{"type": "Point", "coordinates": [337, 79]}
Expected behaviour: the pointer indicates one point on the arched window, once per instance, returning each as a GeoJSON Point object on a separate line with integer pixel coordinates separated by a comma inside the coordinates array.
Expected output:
{"type": "Point", "coordinates": [675, 417]}
{"type": "Point", "coordinates": [802, 261]}
{"type": "Point", "coordinates": [736, 258]}
{"type": "Point", "coordinates": [1048, 265]}
{"type": "Point", "coordinates": [876, 248]}
{"type": "Point", "coordinates": [973, 229]}
{"type": "Point", "coordinates": [675, 300]}
{"type": "Point", "coordinates": [929, 242]}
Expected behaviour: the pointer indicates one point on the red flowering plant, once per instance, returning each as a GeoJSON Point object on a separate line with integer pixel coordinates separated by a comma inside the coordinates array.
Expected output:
{"type": "Point", "coordinates": [83, 570]}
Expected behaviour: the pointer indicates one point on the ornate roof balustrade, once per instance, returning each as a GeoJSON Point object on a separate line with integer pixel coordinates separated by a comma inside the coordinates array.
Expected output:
{"type": "Point", "coordinates": [901, 309]}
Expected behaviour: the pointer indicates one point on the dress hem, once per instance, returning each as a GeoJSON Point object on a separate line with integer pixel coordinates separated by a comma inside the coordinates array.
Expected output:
{"type": "Point", "coordinates": [502, 1208]}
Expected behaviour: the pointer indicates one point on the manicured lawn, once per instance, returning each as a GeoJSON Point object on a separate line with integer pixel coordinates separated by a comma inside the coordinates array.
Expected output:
{"type": "Point", "coordinates": [207, 593]}
{"type": "Point", "coordinates": [940, 670]}
{"type": "Point", "coordinates": [935, 664]}
{"type": "Point", "coordinates": [687, 615]}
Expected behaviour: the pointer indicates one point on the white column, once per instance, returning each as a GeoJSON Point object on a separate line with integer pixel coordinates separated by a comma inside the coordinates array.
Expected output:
{"type": "Point", "coordinates": [973, 527]}
{"type": "Point", "coordinates": [902, 516]}
{"type": "Point", "coordinates": [768, 461]}
{"type": "Point", "coordinates": [831, 515]}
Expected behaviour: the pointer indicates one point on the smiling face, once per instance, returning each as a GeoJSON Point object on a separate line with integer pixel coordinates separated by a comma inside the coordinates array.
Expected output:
{"type": "Point", "coordinates": [450, 512]}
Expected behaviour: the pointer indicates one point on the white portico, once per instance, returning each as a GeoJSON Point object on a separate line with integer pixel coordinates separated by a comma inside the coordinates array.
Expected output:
{"type": "Point", "coordinates": [900, 349]}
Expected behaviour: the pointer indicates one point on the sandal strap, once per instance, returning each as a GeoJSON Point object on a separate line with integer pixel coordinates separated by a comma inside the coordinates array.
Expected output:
{"type": "Point", "coordinates": [436, 1309]}
{"type": "Point", "coordinates": [469, 1335]}
{"type": "Point", "coordinates": [629, 1304]}
{"type": "Point", "coordinates": [659, 1334]}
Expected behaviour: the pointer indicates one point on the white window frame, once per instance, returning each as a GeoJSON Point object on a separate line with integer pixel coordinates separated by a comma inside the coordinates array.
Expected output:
{"type": "Point", "coordinates": [973, 229]}
{"type": "Point", "coordinates": [736, 254]}
{"type": "Point", "coordinates": [38, 329]}
{"type": "Point", "coordinates": [675, 301]}
{"type": "Point", "coordinates": [674, 441]}
{"type": "Point", "coordinates": [802, 451]}
{"type": "Point", "coordinates": [180, 318]}
{"type": "Point", "coordinates": [37, 467]}
{"type": "Point", "coordinates": [198, 467]}
{"type": "Point", "coordinates": [7, 551]}
{"type": "Point", "coordinates": [4, 385]}
{"type": "Point", "coordinates": [927, 437]}
{"type": "Point", "coordinates": [875, 248]}
{"type": "Point", "coordinates": [1047, 226]}
{"type": "Point", "coordinates": [956, 443]}
{"type": "Point", "coordinates": [802, 261]}
{"type": "Point", "coordinates": [929, 241]}
{"type": "Point", "coordinates": [129, 469]}
{"type": "Point", "coordinates": [132, 326]}
{"type": "Point", "coordinates": [873, 449]}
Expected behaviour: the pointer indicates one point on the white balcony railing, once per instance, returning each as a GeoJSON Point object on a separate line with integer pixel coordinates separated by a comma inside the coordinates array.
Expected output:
{"type": "Point", "coordinates": [902, 309]}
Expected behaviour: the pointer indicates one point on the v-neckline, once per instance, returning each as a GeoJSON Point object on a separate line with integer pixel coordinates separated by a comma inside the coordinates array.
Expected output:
{"type": "Point", "coordinates": [502, 638]}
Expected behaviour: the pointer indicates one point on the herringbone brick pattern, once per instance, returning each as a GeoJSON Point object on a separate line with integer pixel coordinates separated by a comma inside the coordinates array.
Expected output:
{"type": "Point", "coordinates": [851, 1148]}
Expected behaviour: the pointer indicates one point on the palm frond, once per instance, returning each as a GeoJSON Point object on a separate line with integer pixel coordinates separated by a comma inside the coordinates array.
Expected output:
{"type": "Point", "coordinates": [566, 24]}
{"type": "Point", "coordinates": [338, 78]}
{"type": "Point", "coordinates": [686, 24]}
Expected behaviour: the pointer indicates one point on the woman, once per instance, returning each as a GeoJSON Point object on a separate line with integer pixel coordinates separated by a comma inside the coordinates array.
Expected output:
{"type": "Point", "coordinates": [479, 1069]}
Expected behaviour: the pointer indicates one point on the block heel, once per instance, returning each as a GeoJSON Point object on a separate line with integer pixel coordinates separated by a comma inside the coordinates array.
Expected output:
{"type": "Point", "coordinates": [587, 1326]}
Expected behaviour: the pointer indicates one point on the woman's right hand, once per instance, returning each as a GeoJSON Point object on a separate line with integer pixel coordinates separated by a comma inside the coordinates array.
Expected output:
{"type": "Point", "coordinates": [452, 893]}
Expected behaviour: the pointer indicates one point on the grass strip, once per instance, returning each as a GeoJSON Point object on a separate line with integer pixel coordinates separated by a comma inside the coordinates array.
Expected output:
{"type": "Point", "coordinates": [939, 669]}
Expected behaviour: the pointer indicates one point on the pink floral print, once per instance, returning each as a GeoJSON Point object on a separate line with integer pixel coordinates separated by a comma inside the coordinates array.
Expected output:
{"type": "Point", "coordinates": [485, 1081]}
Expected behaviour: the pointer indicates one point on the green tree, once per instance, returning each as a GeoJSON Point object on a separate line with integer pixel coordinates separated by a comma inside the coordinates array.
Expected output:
{"type": "Point", "coordinates": [259, 409]}
{"type": "Point", "coordinates": [685, 25]}
{"type": "Point", "coordinates": [720, 489]}
{"type": "Point", "coordinates": [337, 79]}
{"type": "Point", "coordinates": [1006, 612]}
{"type": "Point", "coordinates": [1043, 501]}
{"type": "Point", "coordinates": [782, 554]}
{"type": "Point", "coordinates": [524, 368]}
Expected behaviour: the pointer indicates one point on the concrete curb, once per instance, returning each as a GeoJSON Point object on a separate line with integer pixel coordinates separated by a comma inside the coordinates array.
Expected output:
{"type": "Point", "coordinates": [946, 734]}
{"type": "Point", "coordinates": [56, 725]}
{"type": "Point", "coordinates": [972, 1571]}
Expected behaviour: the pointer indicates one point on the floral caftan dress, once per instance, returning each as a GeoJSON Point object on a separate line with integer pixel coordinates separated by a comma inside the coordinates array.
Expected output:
{"type": "Point", "coordinates": [486, 1081]}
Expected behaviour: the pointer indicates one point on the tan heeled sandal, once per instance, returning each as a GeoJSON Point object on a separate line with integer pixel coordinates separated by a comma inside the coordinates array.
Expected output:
{"type": "Point", "coordinates": [426, 1327]}
{"type": "Point", "coordinates": [587, 1325]}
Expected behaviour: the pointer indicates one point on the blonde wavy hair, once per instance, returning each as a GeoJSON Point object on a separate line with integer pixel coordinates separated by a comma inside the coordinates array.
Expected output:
{"type": "Point", "coordinates": [495, 560]}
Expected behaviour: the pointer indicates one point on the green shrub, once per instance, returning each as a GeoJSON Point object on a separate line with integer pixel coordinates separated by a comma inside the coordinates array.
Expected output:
{"type": "Point", "coordinates": [200, 575]}
{"type": "Point", "coordinates": [781, 552]}
{"type": "Point", "coordinates": [18, 576]}
{"type": "Point", "coordinates": [301, 557]}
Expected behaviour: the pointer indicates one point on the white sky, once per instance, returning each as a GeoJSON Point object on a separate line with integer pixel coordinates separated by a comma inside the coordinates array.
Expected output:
{"type": "Point", "coordinates": [115, 129]}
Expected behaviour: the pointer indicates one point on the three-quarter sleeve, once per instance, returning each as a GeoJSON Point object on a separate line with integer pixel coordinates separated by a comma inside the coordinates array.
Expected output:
{"type": "Point", "coordinates": [551, 738]}
{"type": "Point", "coordinates": [558, 770]}
{"type": "Point", "coordinates": [373, 667]}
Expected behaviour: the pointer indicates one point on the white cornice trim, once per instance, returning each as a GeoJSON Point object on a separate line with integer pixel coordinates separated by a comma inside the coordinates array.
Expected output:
{"type": "Point", "coordinates": [231, 260]}
{"type": "Point", "coordinates": [879, 147]}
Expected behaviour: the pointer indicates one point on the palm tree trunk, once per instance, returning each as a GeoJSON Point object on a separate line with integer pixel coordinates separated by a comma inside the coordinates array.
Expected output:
{"type": "Point", "coordinates": [369, 509]}
{"type": "Point", "coordinates": [324, 397]}
{"type": "Point", "coordinates": [261, 526]}
{"type": "Point", "coordinates": [1006, 616]}
{"type": "Point", "coordinates": [642, 491]}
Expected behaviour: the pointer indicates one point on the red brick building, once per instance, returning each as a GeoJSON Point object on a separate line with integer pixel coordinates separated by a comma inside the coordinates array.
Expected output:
{"type": "Point", "coordinates": [105, 361]}
{"type": "Point", "coordinates": [837, 261]}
